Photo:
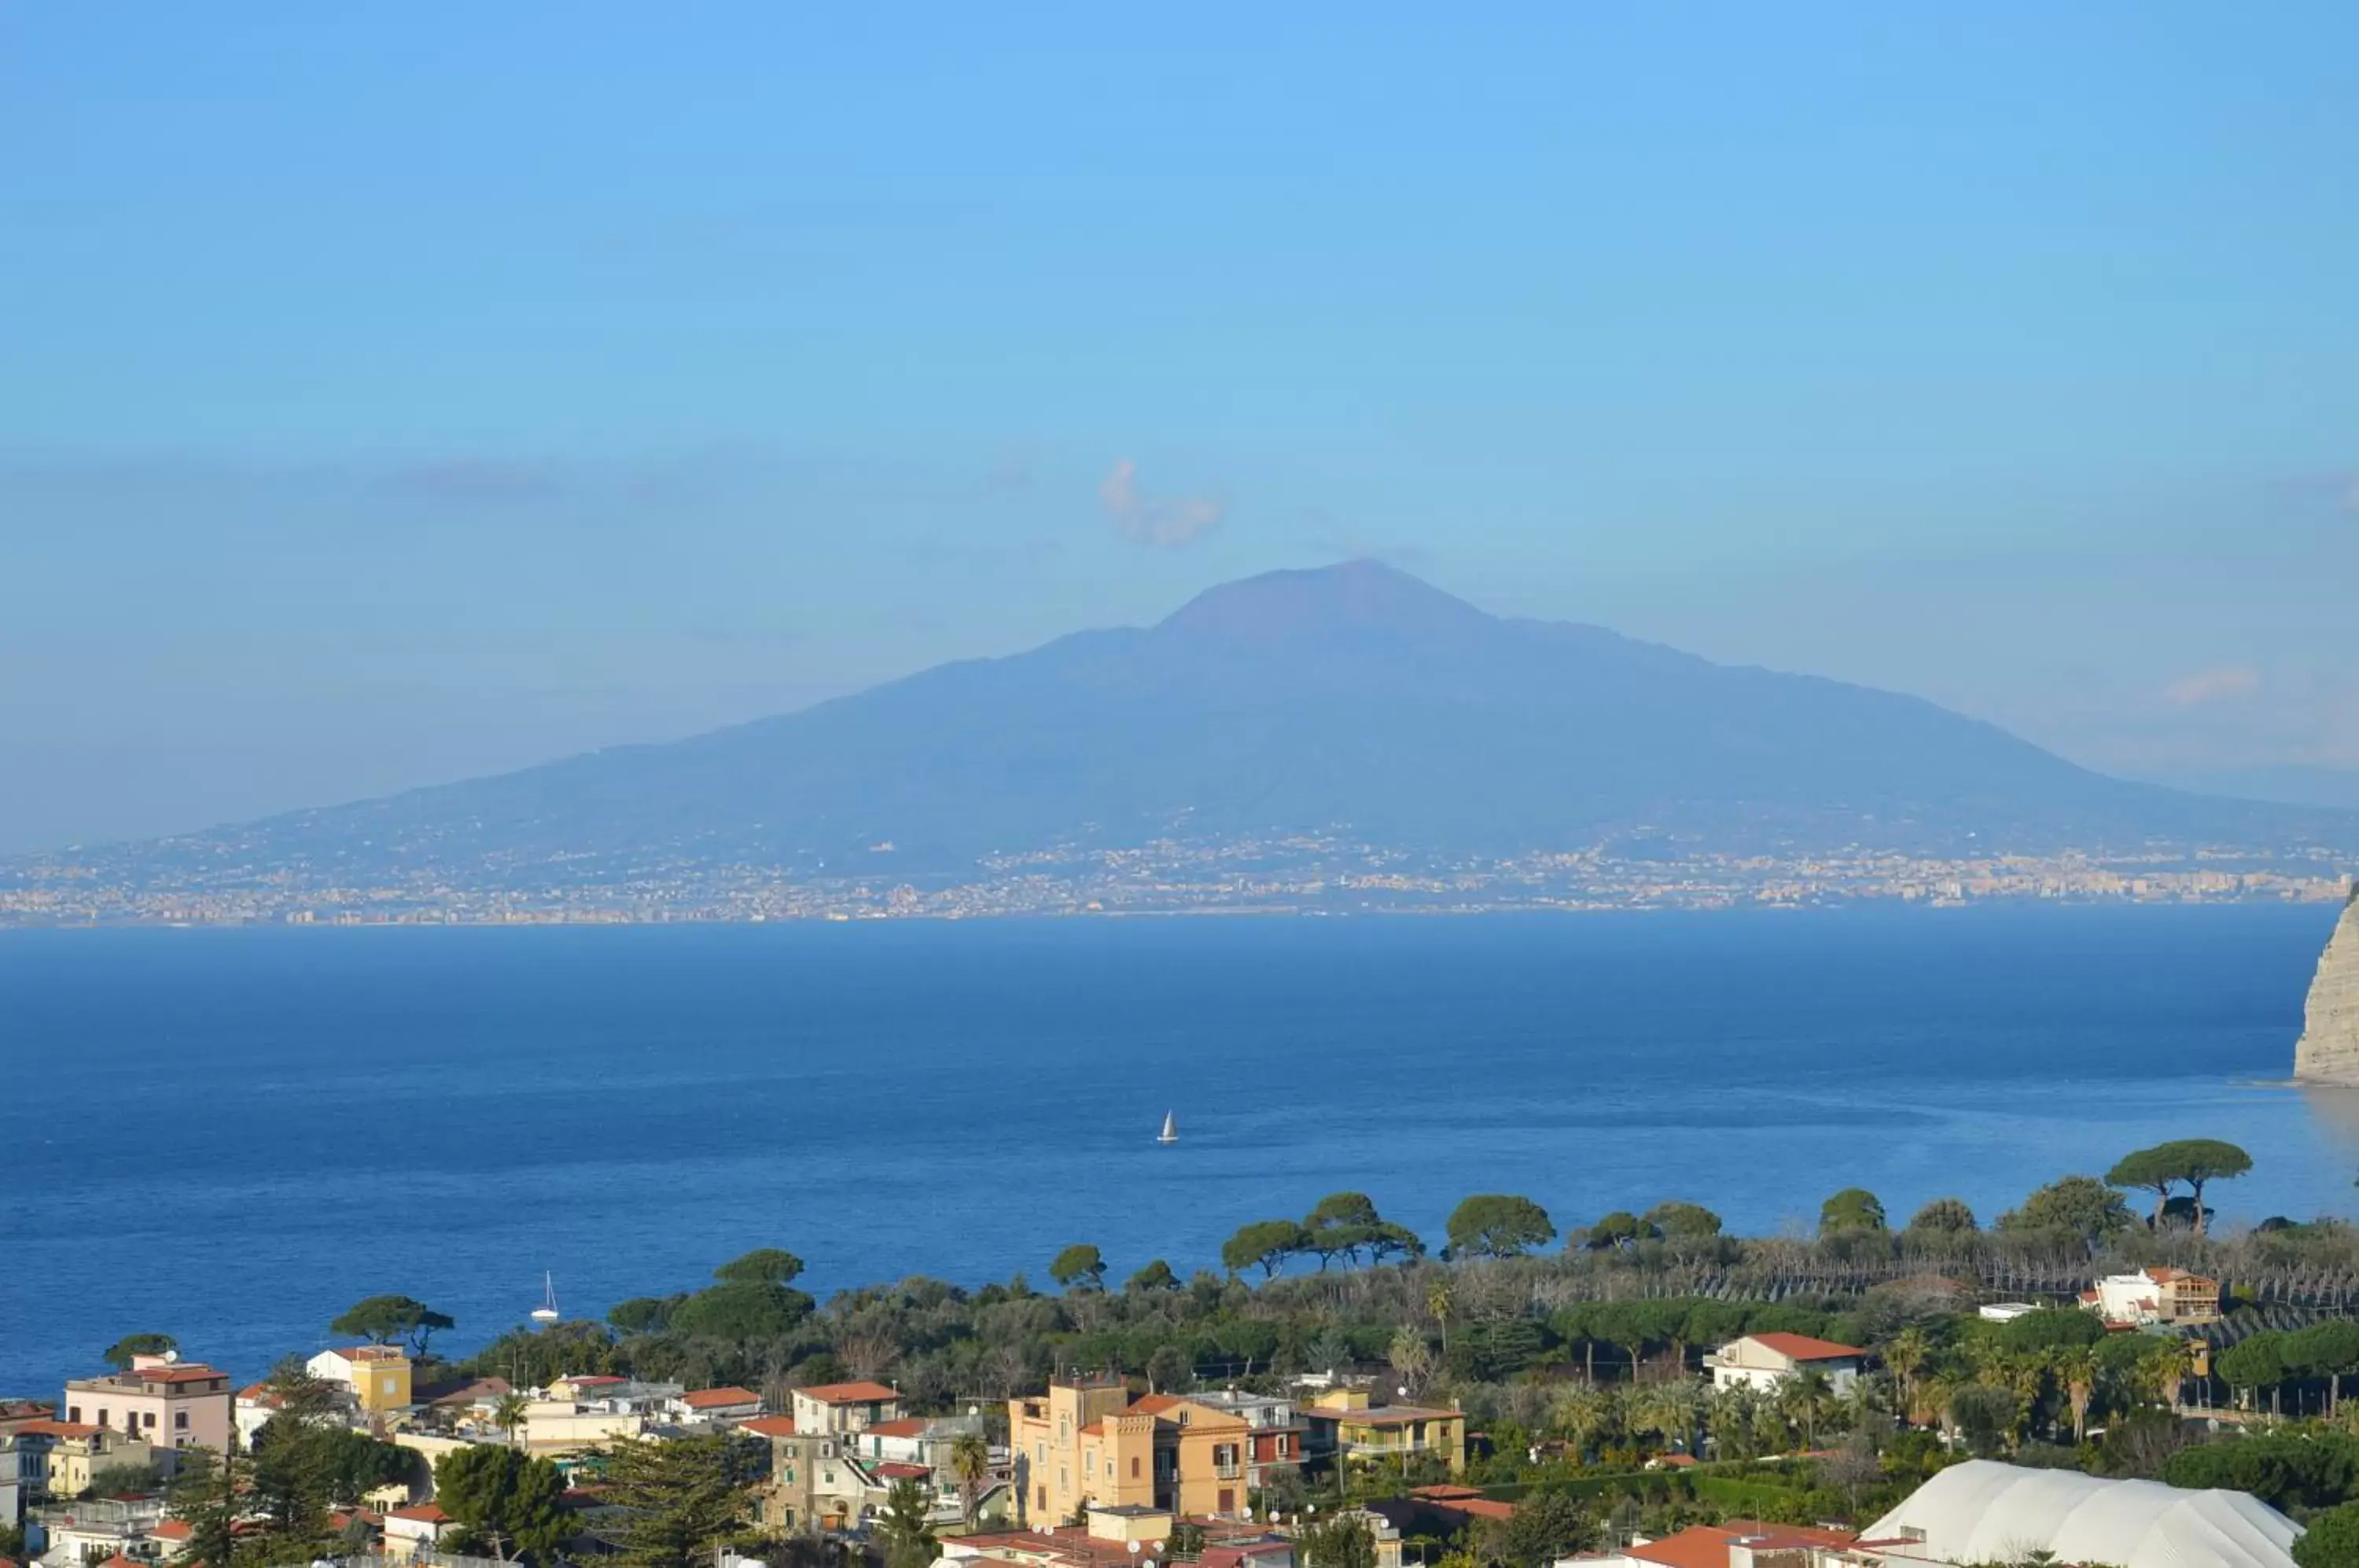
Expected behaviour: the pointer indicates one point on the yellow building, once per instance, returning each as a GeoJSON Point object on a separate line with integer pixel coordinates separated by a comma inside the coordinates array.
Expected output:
{"type": "Point", "coordinates": [1086, 1443]}
{"type": "Point", "coordinates": [1347, 1423]}
{"type": "Point", "coordinates": [78, 1452]}
{"type": "Point", "coordinates": [378, 1374]}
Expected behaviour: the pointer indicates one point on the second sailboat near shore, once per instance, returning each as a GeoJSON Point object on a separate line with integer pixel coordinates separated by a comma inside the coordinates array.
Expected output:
{"type": "Point", "coordinates": [1171, 1133]}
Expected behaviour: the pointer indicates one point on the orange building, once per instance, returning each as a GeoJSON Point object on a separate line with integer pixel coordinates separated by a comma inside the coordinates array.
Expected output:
{"type": "Point", "coordinates": [1087, 1443]}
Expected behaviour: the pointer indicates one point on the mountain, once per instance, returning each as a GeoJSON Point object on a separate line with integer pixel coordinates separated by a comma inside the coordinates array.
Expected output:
{"type": "Point", "coordinates": [1352, 700]}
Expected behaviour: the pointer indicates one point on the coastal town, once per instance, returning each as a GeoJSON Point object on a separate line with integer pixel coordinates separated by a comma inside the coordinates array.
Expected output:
{"type": "Point", "coordinates": [1307, 875]}
{"type": "Point", "coordinates": [2070, 1384]}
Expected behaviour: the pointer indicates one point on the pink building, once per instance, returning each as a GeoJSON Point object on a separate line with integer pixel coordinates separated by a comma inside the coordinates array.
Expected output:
{"type": "Point", "coordinates": [164, 1403]}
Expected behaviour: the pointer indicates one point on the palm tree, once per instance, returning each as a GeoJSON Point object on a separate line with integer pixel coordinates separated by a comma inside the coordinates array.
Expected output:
{"type": "Point", "coordinates": [1906, 1355]}
{"type": "Point", "coordinates": [1801, 1397]}
{"type": "Point", "coordinates": [508, 1415]}
{"type": "Point", "coordinates": [2075, 1368]}
{"type": "Point", "coordinates": [1670, 1411]}
{"type": "Point", "coordinates": [1410, 1356]}
{"type": "Point", "coordinates": [1442, 1301]}
{"type": "Point", "coordinates": [1579, 1411]}
{"type": "Point", "coordinates": [970, 1467]}
{"type": "Point", "coordinates": [2162, 1369]}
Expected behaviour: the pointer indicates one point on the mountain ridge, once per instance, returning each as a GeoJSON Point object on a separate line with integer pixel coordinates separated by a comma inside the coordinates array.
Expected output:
{"type": "Point", "coordinates": [1353, 701]}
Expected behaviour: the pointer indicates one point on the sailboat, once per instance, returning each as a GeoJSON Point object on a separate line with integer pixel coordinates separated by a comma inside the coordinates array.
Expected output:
{"type": "Point", "coordinates": [547, 1312]}
{"type": "Point", "coordinates": [1171, 1133]}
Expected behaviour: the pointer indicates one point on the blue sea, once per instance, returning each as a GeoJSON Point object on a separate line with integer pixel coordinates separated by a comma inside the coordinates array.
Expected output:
{"type": "Point", "coordinates": [231, 1134]}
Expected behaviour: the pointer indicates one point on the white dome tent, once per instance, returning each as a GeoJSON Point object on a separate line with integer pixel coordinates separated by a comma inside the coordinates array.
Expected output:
{"type": "Point", "coordinates": [1981, 1511]}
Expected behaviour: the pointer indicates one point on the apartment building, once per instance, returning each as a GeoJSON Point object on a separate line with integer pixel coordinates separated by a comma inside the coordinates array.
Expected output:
{"type": "Point", "coordinates": [163, 1401]}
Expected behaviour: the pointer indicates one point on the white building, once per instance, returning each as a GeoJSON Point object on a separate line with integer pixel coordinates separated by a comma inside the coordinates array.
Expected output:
{"type": "Point", "coordinates": [2155, 1295]}
{"type": "Point", "coordinates": [1982, 1511]}
{"type": "Point", "coordinates": [1765, 1360]}
{"type": "Point", "coordinates": [726, 1404]}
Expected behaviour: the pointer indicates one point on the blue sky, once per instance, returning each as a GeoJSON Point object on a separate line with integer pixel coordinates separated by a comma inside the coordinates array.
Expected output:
{"type": "Point", "coordinates": [393, 394]}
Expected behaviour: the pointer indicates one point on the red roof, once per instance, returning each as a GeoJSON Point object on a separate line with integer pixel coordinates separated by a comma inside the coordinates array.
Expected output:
{"type": "Point", "coordinates": [60, 1429]}
{"type": "Point", "coordinates": [849, 1393]}
{"type": "Point", "coordinates": [197, 1372]}
{"type": "Point", "coordinates": [1444, 1492]}
{"type": "Point", "coordinates": [900, 1472]}
{"type": "Point", "coordinates": [1802, 1348]}
{"type": "Point", "coordinates": [1674, 1461]}
{"type": "Point", "coordinates": [119, 1560]}
{"type": "Point", "coordinates": [1706, 1545]}
{"type": "Point", "coordinates": [1154, 1404]}
{"type": "Point", "coordinates": [424, 1513]}
{"type": "Point", "coordinates": [174, 1530]}
{"type": "Point", "coordinates": [769, 1426]}
{"type": "Point", "coordinates": [714, 1398]}
{"type": "Point", "coordinates": [915, 1426]}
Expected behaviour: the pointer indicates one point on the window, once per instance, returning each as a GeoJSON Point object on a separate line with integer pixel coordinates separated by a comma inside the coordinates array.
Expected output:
{"type": "Point", "coordinates": [73, 1414]}
{"type": "Point", "coordinates": [1043, 1503]}
{"type": "Point", "coordinates": [179, 1420]}
{"type": "Point", "coordinates": [148, 1420]}
{"type": "Point", "coordinates": [102, 1415]}
{"type": "Point", "coordinates": [1134, 1467]}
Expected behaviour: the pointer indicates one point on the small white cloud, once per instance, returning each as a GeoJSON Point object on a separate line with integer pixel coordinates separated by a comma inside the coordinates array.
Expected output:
{"type": "Point", "coordinates": [2221, 684]}
{"type": "Point", "coordinates": [1170, 524]}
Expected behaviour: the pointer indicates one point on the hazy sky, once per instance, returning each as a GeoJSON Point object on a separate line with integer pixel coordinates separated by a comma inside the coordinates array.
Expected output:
{"type": "Point", "coordinates": [394, 393]}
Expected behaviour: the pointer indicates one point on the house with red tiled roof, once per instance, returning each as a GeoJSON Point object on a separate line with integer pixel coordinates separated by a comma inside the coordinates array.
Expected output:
{"type": "Point", "coordinates": [845, 1407]}
{"type": "Point", "coordinates": [412, 1530]}
{"type": "Point", "coordinates": [160, 1400]}
{"type": "Point", "coordinates": [1738, 1543]}
{"type": "Point", "coordinates": [2155, 1295]}
{"type": "Point", "coordinates": [1763, 1361]}
{"type": "Point", "coordinates": [730, 1404]}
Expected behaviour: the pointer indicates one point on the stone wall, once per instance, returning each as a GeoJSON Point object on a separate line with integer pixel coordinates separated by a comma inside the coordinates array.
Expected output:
{"type": "Point", "coordinates": [2329, 1050]}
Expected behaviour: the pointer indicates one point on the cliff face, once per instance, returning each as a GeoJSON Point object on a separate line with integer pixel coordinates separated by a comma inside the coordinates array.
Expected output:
{"type": "Point", "coordinates": [2329, 1050]}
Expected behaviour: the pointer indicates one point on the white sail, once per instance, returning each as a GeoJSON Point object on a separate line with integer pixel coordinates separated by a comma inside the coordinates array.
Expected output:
{"type": "Point", "coordinates": [1171, 1133]}
{"type": "Point", "coordinates": [547, 1312]}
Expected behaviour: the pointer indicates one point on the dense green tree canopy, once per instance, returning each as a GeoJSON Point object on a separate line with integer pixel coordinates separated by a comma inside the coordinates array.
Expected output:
{"type": "Point", "coordinates": [2080, 1206]}
{"type": "Point", "coordinates": [762, 1266]}
{"type": "Point", "coordinates": [2332, 1541]}
{"type": "Point", "coordinates": [1678, 1221]}
{"type": "Point", "coordinates": [678, 1499]}
{"type": "Point", "coordinates": [645, 1314]}
{"type": "Point", "coordinates": [1853, 1208]}
{"type": "Point", "coordinates": [1156, 1276]}
{"type": "Point", "coordinates": [1344, 1542]}
{"type": "Point", "coordinates": [902, 1529]}
{"type": "Point", "coordinates": [1619, 1229]}
{"type": "Point", "coordinates": [510, 1501]}
{"type": "Point", "coordinates": [1265, 1245]}
{"type": "Point", "coordinates": [742, 1310]}
{"type": "Point", "coordinates": [119, 1353]}
{"type": "Point", "coordinates": [1943, 1217]}
{"type": "Point", "coordinates": [2192, 1162]}
{"type": "Point", "coordinates": [381, 1320]}
{"type": "Point", "coordinates": [2290, 1471]}
{"type": "Point", "coordinates": [1499, 1225]}
{"type": "Point", "coordinates": [1546, 1527]}
{"type": "Point", "coordinates": [1079, 1266]}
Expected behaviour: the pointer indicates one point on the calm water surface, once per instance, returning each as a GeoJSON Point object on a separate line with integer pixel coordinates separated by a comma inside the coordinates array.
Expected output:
{"type": "Point", "coordinates": [230, 1136]}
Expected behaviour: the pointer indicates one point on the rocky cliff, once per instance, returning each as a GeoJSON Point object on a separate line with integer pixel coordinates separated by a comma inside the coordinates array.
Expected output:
{"type": "Point", "coordinates": [2328, 1051]}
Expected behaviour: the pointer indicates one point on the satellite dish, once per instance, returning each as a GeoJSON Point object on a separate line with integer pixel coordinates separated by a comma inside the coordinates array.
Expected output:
{"type": "Point", "coordinates": [172, 1358]}
{"type": "Point", "coordinates": [1134, 1548]}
